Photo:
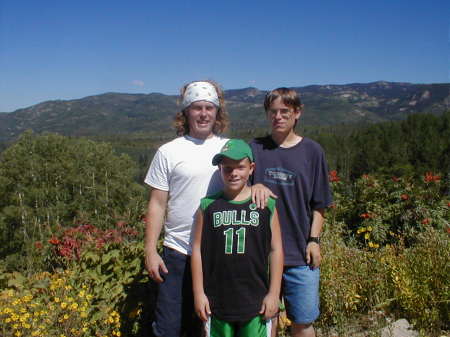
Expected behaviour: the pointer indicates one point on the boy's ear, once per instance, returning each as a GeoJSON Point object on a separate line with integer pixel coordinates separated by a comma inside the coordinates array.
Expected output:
{"type": "Point", "coordinates": [252, 167]}
{"type": "Point", "coordinates": [299, 111]}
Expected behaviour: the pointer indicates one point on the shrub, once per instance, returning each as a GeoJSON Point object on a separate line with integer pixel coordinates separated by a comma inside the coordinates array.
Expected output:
{"type": "Point", "coordinates": [420, 280]}
{"type": "Point", "coordinates": [378, 211]}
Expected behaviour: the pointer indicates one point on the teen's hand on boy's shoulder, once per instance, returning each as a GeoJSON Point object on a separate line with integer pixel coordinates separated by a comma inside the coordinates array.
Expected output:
{"type": "Point", "coordinates": [202, 309]}
{"type": "Point", "coordinates": [154, 265]}
{"type": "Point", "coordinates": [313, 256]}
{"type": "Point", "coordinates": [270, 306]}
{"type": "Point", "coordinates": [261, 194]}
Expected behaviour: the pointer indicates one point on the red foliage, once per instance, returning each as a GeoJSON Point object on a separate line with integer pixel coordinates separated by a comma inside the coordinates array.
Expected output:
{"type": "Point", "coordinates": [54, 241]}
{"type": "Point", "coordinates": [404, 196]}
{"type": "Point", "coordinates": [430, 177]}
{"type": "Point", "coordinates": [395, 179]}
{"type": "Point", "coordinates": [333, 176]}
{"type": "Point", "coordinates": [73, 240]}
{"type": "Point", "coordinates": [365, 215]}
{"type": "Point", "coordinates": [38, 245]}
{"type": "Point", "coordinates": [425, 221]}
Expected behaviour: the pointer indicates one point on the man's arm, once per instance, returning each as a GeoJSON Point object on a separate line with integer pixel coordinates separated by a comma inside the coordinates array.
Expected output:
{"type": "Point", "coordinates": [270, 303]}
{"type": "Point", "coordinates": [154, 223]}
{"type": "Point", "coordinates": [201, 302]}
{"type": "Point", "coordinates": [261, 194]}
{"type": "Point", "coordinates": [313, 256]}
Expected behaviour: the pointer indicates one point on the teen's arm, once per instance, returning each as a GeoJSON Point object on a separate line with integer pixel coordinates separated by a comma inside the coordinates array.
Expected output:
{"type": "Point", "coordinates": [261, 194]}
{"type": "Point", "coordinates": [154, 222]}
{"type": "Point", "coordinates": [270, 303]}
{"type": "Point", "coordinates": [313, 256]}
{"type": "Point", "coordinates": [201, 302]}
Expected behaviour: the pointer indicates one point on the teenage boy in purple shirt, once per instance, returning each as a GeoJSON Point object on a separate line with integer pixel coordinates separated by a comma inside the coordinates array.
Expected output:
{"type": "Point", "coordinates": [294, 169]}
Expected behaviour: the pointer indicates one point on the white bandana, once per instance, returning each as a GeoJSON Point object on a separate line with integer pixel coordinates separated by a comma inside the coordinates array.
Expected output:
{"type": "Point", "coordinates": [200, 91]}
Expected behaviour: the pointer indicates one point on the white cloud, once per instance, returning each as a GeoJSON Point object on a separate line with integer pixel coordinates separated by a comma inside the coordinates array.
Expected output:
{"type": "Point", "coordinates": [138, 83]}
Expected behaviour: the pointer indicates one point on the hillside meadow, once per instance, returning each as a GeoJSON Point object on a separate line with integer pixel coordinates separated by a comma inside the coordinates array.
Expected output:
{"type": "Point", "coordinates": [72, 221]}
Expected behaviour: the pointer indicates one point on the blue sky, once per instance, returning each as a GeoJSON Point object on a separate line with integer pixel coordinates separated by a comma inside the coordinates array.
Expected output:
{"type": "Point", "coordinates": [72, 49]}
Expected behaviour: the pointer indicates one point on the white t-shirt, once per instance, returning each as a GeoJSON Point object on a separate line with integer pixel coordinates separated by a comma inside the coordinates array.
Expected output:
{"type": "Point", "coordinates": [183, 167]}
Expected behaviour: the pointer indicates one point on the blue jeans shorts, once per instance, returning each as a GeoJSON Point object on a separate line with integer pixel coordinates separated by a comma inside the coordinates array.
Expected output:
{"type": "Point", "coordinates": [301, 293]}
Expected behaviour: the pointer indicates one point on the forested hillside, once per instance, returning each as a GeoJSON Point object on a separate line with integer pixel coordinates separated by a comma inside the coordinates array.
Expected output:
{"type": "Point", "coordinates": [113, 114]}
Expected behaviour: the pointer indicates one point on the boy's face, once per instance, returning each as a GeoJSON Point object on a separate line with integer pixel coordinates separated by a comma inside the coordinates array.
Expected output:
{"type": "Point", "coordinates": [282, 118]}
{"type": "Point", "coordinates": [235, 173]}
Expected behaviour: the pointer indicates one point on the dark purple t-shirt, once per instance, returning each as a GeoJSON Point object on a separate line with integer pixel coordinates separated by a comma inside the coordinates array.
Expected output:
{"type": "Point", "coordinates": [299, 177]}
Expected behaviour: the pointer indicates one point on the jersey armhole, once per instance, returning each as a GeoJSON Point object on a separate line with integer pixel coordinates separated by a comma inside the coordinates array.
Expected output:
{"type": "Point", "coordinates": [208, 200]}
{"type": "Point", "coordinates": [271, 206]}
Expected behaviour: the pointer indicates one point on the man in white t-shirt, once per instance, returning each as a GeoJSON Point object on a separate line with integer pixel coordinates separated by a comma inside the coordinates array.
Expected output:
{"type": "Point", "coordinates": [180, 174]}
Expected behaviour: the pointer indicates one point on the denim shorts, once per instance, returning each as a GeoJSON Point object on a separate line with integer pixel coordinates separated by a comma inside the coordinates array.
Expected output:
{"type": "Point", "coordinates": [301, 293]}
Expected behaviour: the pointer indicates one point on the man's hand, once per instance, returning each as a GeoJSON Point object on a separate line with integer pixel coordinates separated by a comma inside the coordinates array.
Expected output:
{"type": "Point", "coordinates": [270, 306]}
{"type": "Point", "coordinates": [313, 257]}
{"type": "Point", "coordinates": [202, 309]}
{"type": "Point", "coordinates": [260, 195]}
{"type": "Point", "coordinates": [154, 265]}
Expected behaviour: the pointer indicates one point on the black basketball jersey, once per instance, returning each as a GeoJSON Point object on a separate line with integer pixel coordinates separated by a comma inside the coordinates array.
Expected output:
{"type": "Point", "coordinates": [235, 248]}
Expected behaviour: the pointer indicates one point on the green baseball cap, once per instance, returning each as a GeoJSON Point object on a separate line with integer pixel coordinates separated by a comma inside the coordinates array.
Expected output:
{"type": "Point", "coordinates": [235, 149]}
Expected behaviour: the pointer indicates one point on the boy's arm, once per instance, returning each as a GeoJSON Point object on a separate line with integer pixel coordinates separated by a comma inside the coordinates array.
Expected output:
{"type": "Point", "coordinates": [313, 256]}
{"type": "Point", "coordinates": [271, 302]}
{"type": "Point", "coordinates": [201, 302]}
{"type": "Point", "coordinates": [154, 222]}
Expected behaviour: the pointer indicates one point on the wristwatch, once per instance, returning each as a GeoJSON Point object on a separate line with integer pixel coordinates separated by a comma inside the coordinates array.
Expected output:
{"type": "Point", "coordinates": [315, 239]}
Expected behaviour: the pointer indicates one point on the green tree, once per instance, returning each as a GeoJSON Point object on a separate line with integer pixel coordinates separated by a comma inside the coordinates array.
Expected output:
{"type": "Point", "coordinates": [49, 180]}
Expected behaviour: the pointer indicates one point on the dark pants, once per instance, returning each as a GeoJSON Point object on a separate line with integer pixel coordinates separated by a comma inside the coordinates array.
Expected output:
{"type": "Point", "coordinates": [175, 315]}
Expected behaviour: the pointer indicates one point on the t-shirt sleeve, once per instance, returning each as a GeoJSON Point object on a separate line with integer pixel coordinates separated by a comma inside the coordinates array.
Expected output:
{"type": "Point", "coordinates": [158, 173]}
{"type": "Point", "coordinates": [321, 197]}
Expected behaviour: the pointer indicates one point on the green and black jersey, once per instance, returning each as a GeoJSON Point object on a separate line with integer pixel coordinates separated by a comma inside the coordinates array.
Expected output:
{"type": "Point", "coordinates": [235, 247]}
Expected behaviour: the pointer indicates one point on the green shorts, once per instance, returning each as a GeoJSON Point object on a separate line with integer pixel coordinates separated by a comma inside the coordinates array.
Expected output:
{"type": "Point", "coordinates": [255, 327]}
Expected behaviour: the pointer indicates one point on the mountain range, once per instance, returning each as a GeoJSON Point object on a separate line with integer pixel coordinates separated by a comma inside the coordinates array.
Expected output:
{"type": "Point", "coordinates": [122, 113]}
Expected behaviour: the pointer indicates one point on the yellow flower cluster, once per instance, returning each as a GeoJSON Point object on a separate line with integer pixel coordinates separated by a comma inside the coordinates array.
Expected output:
{"type": "Point", "coordinates": [113, 321]}
{"type": "Point", "coordinates": [49, 307]}
{"type": "Point", "coordinates": [364, 229]}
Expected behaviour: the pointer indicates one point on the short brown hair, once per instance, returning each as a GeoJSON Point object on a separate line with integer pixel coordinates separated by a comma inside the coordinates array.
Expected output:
{"type": "Point", "coordinates": [222, 120]}
{"type": "Point", "coordinates": [288, 96]}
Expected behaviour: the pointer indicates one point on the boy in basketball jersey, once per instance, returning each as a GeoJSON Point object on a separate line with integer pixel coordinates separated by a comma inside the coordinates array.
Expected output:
{"type": "Point", "coordinates": [234, 244]}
